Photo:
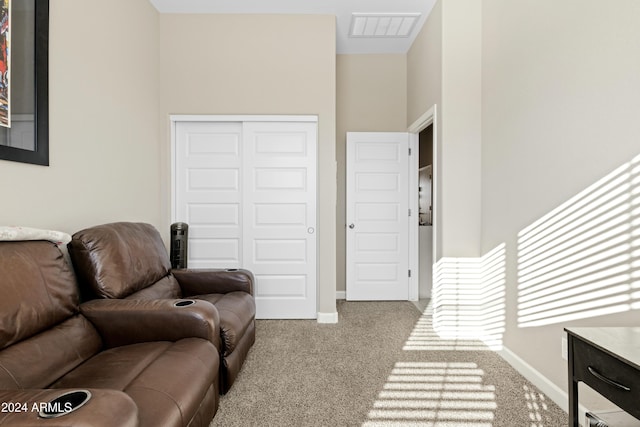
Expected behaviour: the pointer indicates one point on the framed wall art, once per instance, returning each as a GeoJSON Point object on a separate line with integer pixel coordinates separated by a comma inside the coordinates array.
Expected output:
{"type": "Point", "coordinates": [24, 97]}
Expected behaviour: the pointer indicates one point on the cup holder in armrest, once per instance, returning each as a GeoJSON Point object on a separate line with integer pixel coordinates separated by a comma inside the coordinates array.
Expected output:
{"type": "Point", "coordinates": [64, 404]}
{"type": "Point", "coordinates": [184, 303]}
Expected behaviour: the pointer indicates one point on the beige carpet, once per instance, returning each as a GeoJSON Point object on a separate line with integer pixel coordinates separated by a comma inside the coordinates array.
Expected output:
{"type": "Point", "coordinates": [381, 365]}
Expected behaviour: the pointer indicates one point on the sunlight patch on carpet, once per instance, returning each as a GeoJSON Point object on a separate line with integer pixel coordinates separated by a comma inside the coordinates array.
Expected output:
{"type": "Point", "coordinates": [445, 394]}
{"type": "Point", "coordinates": [424, 338]}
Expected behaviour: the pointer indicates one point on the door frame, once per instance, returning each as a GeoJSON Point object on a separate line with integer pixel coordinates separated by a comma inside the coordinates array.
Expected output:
{"type": "Point", "coordinates": [175, 118]}
{"type": "Point", "coordinates": [424, 121]}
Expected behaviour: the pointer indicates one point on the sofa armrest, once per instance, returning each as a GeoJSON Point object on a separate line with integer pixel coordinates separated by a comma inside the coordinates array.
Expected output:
{"type": "Point", "coordinates": [122, 322]}
{"type": "Point", "coordinates": [214, 281]}
{"type": "Point", "coordinates": [105, 408]}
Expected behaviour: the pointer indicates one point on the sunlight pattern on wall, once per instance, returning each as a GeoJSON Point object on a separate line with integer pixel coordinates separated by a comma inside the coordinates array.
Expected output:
{"type": "Point", "coordinates": [583, 258]}
{"type": "Point", "coordinates": [444, 394]}
{"type": "Point", "coordinates": [469, 297]}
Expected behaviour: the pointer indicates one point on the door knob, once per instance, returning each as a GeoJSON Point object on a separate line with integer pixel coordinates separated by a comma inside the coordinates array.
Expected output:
{"type": "Point", "coordinates": [352, 226]}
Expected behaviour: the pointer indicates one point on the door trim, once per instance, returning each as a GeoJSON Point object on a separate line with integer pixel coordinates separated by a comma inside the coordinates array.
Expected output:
{"type": "Point", "coordinates": [430, 117]}
{"type": "Point", "coordinates": [414, 219]}
{"type": "Point", "coordinates": [241, 118]}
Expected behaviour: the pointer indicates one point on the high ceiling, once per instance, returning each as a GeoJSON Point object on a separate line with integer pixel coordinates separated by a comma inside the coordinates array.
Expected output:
{"type": "Point", "coordinates": [383, 26]}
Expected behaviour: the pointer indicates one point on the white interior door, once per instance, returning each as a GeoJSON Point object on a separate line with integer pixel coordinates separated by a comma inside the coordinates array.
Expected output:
{"type": "Point", "coordinates": [279, 219]}
{"type": "Point", "coordinates": [377, 216]}
{"type": "Point", "coordinates": [208, 197]}
{"type": "Point", "coordinates": [248, 192]}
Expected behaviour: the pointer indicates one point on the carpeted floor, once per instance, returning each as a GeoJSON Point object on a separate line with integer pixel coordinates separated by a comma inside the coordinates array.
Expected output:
{"type": "Point", "coordinates": [381, 365]}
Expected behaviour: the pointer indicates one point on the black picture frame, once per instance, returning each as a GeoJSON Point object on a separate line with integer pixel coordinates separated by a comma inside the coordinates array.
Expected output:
{"type": "Point", "coordinates": [40, 155]}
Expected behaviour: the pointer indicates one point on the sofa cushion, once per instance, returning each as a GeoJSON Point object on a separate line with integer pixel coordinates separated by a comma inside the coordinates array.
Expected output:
{"type": "Point", "coordinates": [237, 312]}
{"type": "Point", "coordinates": [146, 372]}
{"type": "Point", "coordinates": [42, 337]}
{"type": "Point", "coordinates": [50, 297]}
{"type": "Point", "coordinates": [46, 343]}
{"type": "Point", "coordinates": [116, 260]}
{"type": "Point", "coordinates": [165, 288]}
{"type": "Point", "coordinates": [38, 361]}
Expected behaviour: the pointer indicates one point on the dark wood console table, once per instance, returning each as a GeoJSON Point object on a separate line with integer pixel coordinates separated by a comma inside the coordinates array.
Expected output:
{"type": "Point", "coordinates": [608, 361]}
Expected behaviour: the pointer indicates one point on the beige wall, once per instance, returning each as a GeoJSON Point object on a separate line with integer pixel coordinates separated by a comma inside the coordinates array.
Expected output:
{"type": "Point", "coordinates": [443, 69]}
{"type": "Point", "coordinates": [560, 111]}
{"type": "Point", "coordinates": [527, 117]}
{"type": "Point", "coordinates": [424, 67]}
{"type": "Point", "coordinates": [459, 132]}
{"type": "Point", "coordinates": [103, 97]}
{"type": "Point", "coordinates": [256, 64]}
{"type": "Point", "coordinates": [424, 91]}
{"type": "Point", "coordinates": [371, 97]}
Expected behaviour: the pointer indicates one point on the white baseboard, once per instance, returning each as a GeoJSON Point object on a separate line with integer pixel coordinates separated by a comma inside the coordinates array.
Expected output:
{"type": "Point", "coordinates": [552, 391]}
{"type": "Point", "coordinates": [341, 294]}
{"type": "Point", "coordinates": [328, 317]}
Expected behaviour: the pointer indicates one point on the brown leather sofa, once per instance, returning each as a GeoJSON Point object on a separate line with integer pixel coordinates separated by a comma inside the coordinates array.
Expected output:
{"type": "Point", "coordinates": [129, 260]}
{"type": "Point", "coordinates": [141, 363]}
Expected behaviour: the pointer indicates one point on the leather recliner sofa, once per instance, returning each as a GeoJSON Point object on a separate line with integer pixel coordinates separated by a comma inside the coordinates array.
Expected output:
{"type": "Point", "coordinates": [127, 260]}
{"type": "Point", "coordinates": [140, 363]}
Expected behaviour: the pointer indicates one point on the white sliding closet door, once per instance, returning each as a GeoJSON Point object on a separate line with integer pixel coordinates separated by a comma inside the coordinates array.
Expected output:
{"type": "Point", "coordinates": [208, 197]}
{"type": "Point", "coordinates": [248, 192]}
{"type": "Point", "coordinates": [280, 217]}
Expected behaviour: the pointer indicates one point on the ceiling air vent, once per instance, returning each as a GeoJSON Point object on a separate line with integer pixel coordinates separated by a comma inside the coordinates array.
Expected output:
{"type": "Point", "coordinates": [383, 24]}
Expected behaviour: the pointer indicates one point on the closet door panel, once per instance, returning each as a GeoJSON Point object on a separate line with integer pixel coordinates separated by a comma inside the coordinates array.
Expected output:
{"type": "Point", "coordinates": [279, 200]}
{"type": "Point", "coordinates": [248, 192]}
{"type": "Point", "coordinates": [209, 192]}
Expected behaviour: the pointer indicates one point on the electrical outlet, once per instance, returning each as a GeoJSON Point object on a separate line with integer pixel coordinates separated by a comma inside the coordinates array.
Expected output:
{"type": "Point", "coordinates": [564, 348]}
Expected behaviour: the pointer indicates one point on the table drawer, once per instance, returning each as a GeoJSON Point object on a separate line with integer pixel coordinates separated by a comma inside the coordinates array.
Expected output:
{"type": "Point", "coordinates": [611, 377]}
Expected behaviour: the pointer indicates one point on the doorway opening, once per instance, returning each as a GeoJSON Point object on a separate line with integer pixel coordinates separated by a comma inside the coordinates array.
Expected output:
{"type": "Point", "coordinates": [425, 212]}
{"type": "Point", "coordinates": [380, 166]}
{"type": "Point", "coordinates": [424, 196]}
